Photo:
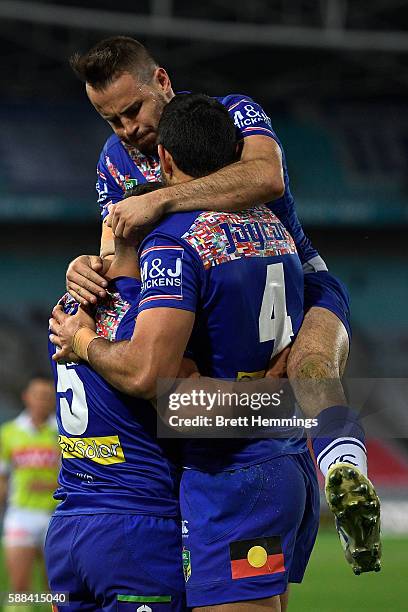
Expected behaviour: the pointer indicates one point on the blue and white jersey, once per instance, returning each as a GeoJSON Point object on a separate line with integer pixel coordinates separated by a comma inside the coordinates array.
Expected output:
{"type": "Point", "coordinates": [121, 167]}
{"type": "Point", "coordinates": [112, 461]}
{"type": "Point", "coordinates": [241, 276]}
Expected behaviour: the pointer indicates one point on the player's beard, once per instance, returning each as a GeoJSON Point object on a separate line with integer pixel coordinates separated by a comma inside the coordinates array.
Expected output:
{"type": "Point", "coordinates": [149, 147]}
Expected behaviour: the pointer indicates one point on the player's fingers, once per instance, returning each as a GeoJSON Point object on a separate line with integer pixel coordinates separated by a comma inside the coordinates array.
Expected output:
{"type": "Point", "coordinates": [58, 314]}
{"type": "Point", "coordinates": [82, 274]}
{"type": "Point", "coordinates": [53, 326]}
{"type": "Point", "coordinates": [56, 341]}
{"type": "Point", "coordinates": [128, 231]}
{"type": "Point", "coordinates": [119, 229]}
{"type": "Point", "coordinates": [88, 287]}
{"type": "Point", "coordinates": [63, 356]}
{"type": "Point", "coordinates": [96, 263]}
{"type": "Point", "coordinates": [115, 219]}
{"type": "Point", "coordinates": [111, 208]}
{"type": "Point", "coordinates": [277, 367]}
{"type": "Point", "coordinates": [77, 297]}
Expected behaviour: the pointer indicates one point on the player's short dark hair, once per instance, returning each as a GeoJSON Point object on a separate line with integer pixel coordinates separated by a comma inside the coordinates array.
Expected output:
{"type": "Point", "coordinates": [199, 134]}
{"type": "Point", "coordinates": [110, 58]}
{"type": "Point", "coordinates": [143, 188]}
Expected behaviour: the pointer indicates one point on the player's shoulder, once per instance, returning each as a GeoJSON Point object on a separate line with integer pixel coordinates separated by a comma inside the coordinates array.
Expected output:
{"type": "Point", "coordinates": [176, 224]}
{"type": "Point", "coordinates": [12, 427]}
{"type": "Point", "coordinates": [233, 100]}
{"type": "Point", "coordinates": [113, 144]}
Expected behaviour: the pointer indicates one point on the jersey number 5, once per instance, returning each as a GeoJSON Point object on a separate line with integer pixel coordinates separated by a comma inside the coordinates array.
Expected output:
{"type": "Point", "coordinates": [274, 321]}
{"type": "Point", "coordinates": [72, 400]}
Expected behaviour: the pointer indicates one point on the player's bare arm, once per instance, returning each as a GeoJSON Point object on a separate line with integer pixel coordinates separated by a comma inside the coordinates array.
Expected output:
{"type": "Point", "coordinates": [107, 242]}
{"type": "Point", "coordinates": [256, 178]}
{"type": "Point", "coordinates": [155, 350]}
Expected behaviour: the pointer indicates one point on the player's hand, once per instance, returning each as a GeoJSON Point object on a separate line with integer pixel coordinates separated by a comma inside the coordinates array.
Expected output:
{"type": "Point", "coordinates": [63, 328]}
{"type": "Point", "coordinates": [128, 217]}
{"type": "Point", "coordinates": [188, 369]}
{"type": "Point", "coordinates": [278, 365]}
{"type": "Point", "coordinates": [85, 281]}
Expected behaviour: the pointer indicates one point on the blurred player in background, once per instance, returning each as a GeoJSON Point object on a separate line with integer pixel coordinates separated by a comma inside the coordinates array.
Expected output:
{"type": "Point", "coordinates": [129, 90]}
{"type": "Point", "coordinates": [29, 462]}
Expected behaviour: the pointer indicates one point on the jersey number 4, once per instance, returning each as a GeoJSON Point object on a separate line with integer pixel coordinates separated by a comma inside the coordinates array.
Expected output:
{"type": "Point", "coordinates": [274, 321]}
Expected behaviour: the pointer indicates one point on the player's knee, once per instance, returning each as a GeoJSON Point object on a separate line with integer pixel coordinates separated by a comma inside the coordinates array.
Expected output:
{"type": "Point", "coordinates": [311, 366]}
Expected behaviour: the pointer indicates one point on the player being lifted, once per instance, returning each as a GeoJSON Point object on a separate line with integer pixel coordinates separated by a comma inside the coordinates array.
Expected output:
{"type": "Point", "coordinates": [129, 90]}
{"type": "Point", "coordinates": [114, 542]}
{"type": "Point", "coordinates": [251, 506]}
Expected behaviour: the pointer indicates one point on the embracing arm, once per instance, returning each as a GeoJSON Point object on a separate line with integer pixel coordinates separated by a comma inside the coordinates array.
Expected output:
{"type": "Point", "coordinates": [256, 179]}
{"type": "Point", "coordinates": [133, 366]}
{"type": "Point", "coordinates": [107, 248]}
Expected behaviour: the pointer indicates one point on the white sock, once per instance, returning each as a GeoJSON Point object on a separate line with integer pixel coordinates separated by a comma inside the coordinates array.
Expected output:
{"type": "Point", "coordinates": [343, 450]}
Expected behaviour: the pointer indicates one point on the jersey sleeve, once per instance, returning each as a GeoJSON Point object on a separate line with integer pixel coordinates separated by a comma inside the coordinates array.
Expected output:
{"type": "Point", "coordinates": [108, 185]}
{"type": "Point", "coordinates": [172, 276]}
{"type": "Point", "coordinates": [5, 458]}
{"type": "Point", "coordinates": [249, 117]}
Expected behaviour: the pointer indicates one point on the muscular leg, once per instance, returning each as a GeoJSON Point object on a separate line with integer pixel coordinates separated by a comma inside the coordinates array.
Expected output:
{"type": "Point", "coordinates": [317, 361]}
{"type": "Point", "coordinates": [271, 604]}
{"type": "Point", "coordinates": [315, 366]}
{"type": "Point", "coordinates": [284, 600]}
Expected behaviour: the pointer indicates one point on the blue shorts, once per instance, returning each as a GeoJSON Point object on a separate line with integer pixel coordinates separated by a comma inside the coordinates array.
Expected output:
{"type": "Point", "coordinates": [324, 290]}
{"type": "Point", "coordinates": [116, 562]}
{"type": "Point", "coordinates": [248, 532]}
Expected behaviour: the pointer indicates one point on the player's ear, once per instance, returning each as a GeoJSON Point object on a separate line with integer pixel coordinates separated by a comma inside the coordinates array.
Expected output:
{"type": "Point", "coordinates": [163, 80]}
{"type": "Point", "coordinates": [166, 161]}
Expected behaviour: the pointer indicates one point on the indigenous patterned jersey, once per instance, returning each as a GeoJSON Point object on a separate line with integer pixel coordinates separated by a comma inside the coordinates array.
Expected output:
{"type": "Point", "coordinates": [121, 167]}
{"type": "Point", "coordinates": [30, 457]}
{"type": "Point", "coordinates": [240, 274]}
{"type": "Point", "coordinates": [112, 461]}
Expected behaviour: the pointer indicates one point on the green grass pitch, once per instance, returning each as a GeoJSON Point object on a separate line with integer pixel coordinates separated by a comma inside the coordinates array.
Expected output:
{"type": "Point", "coordinates": [330, 585]}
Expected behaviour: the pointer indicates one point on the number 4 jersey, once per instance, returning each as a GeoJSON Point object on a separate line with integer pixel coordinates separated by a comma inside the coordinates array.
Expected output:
{"type": "Point", "coordinates": [112, 461]}
{"type": "Point", "coordinates": [241, 275]}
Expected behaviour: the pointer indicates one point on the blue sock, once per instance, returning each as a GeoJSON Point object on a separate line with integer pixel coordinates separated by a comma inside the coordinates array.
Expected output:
{"type": "Point", "coordinates": [339, 438]}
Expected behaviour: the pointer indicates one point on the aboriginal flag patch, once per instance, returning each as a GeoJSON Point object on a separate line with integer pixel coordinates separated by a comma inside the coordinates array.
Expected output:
{"type": "Point", "coordinates": [257, 557]}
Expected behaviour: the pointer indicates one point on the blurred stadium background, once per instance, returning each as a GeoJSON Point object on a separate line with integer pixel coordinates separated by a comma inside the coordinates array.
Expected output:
{"type": "Point", "coordinates": [332, 74]}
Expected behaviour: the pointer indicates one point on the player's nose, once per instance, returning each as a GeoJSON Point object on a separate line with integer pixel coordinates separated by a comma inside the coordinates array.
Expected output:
{"type": "Point", "coordinates": [130, 128]}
